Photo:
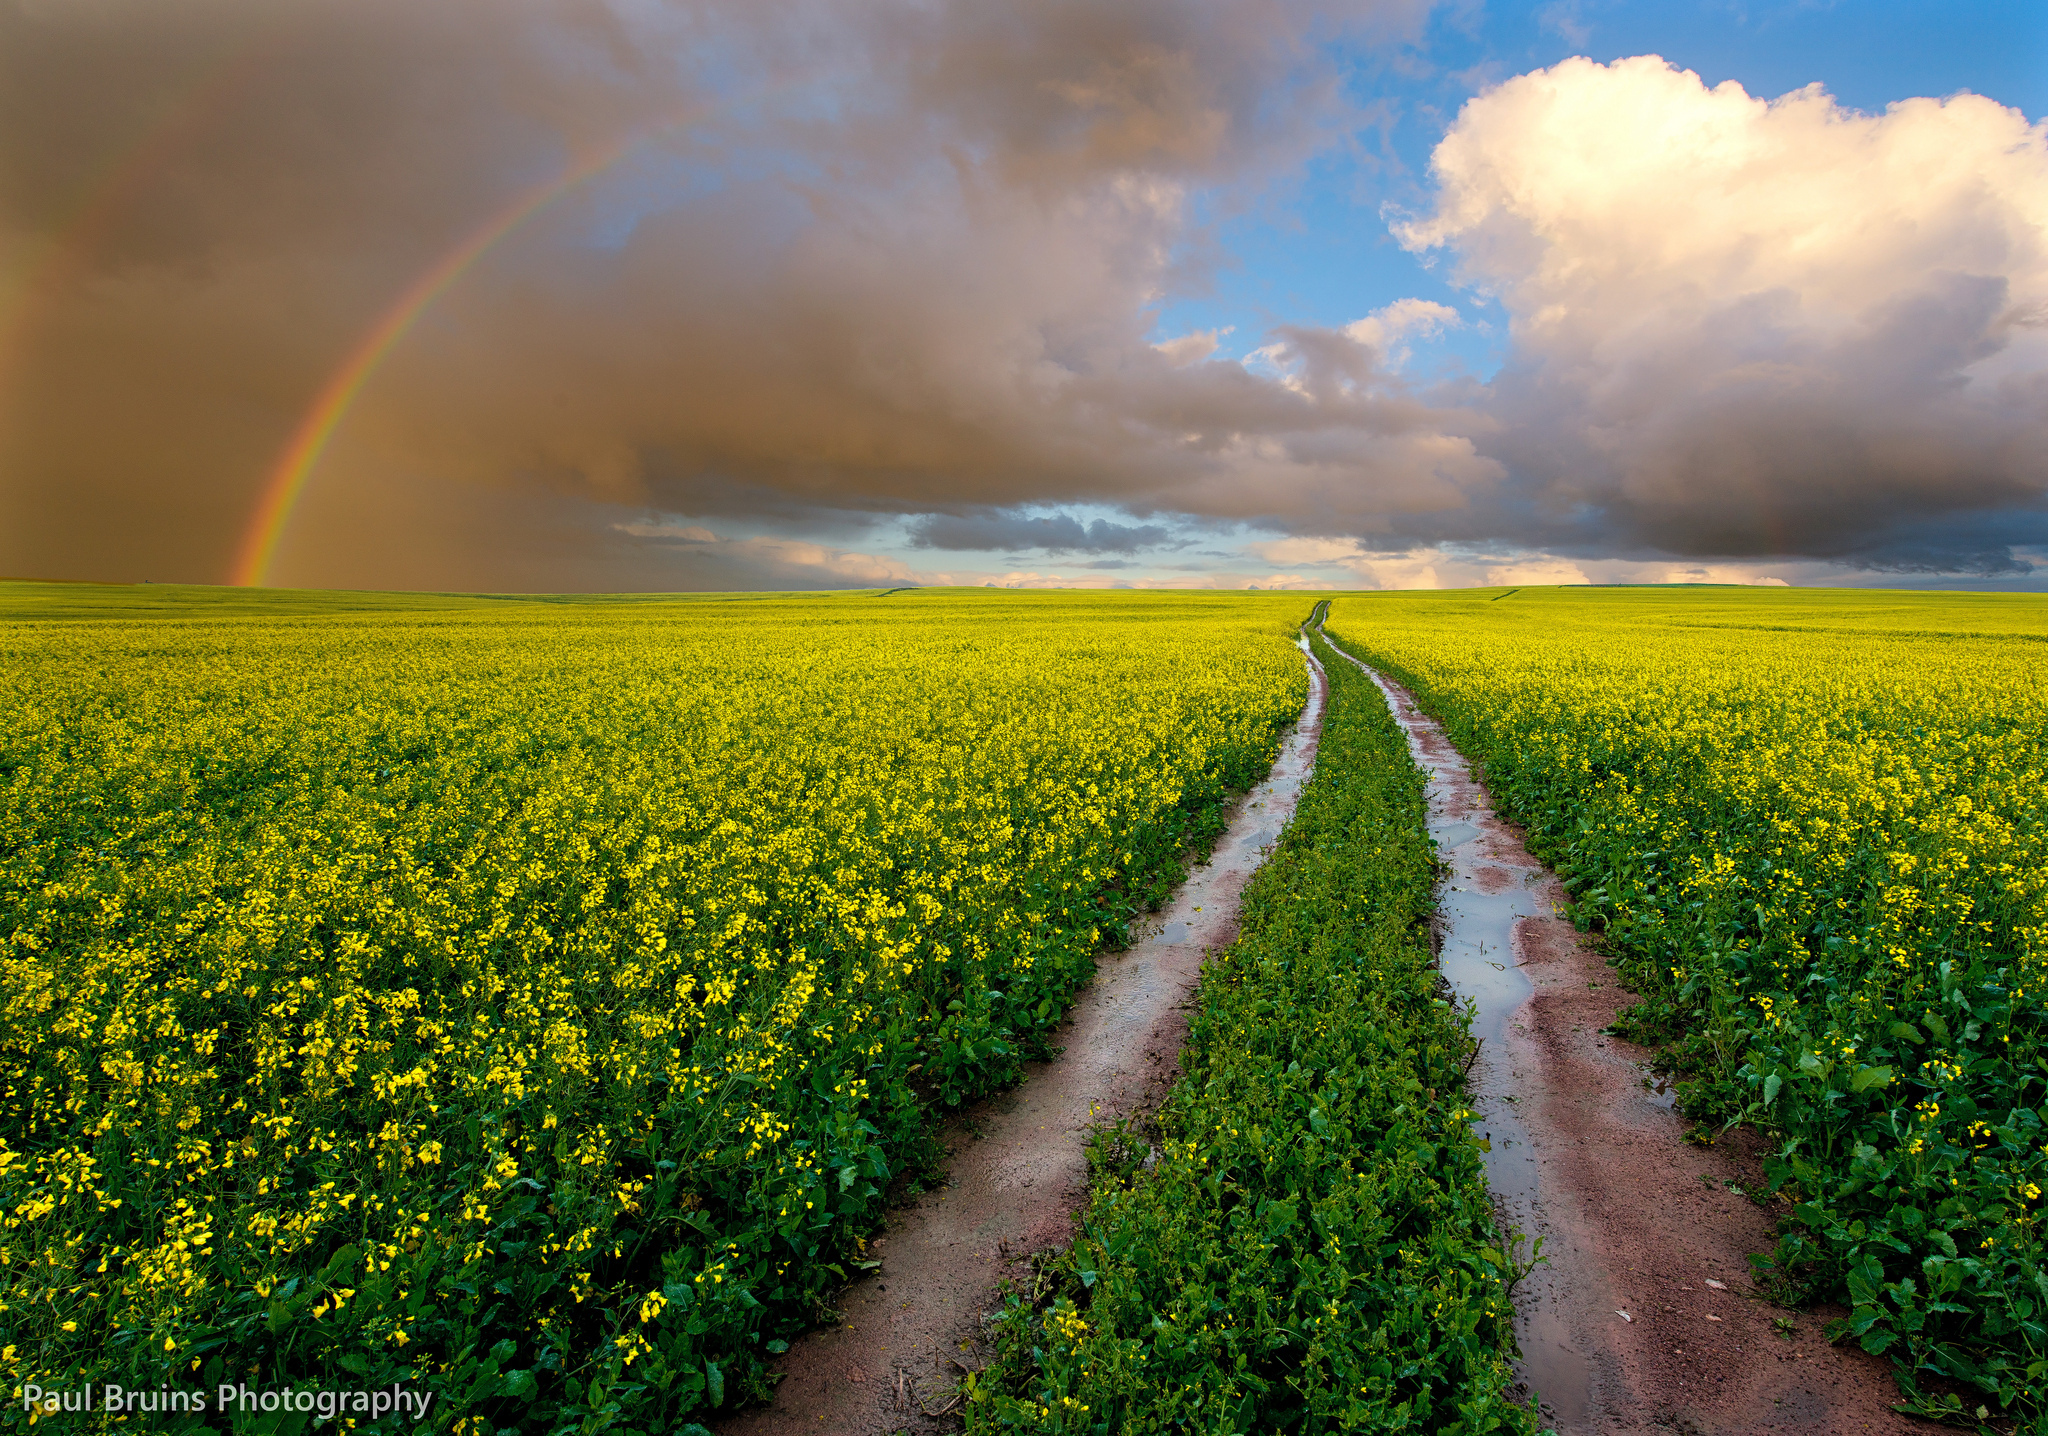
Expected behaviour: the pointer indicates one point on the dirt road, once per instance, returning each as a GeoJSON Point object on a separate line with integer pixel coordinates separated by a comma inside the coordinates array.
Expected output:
{"type": "Point", "coordinates": [1019, 1164]}
{"type": "Point", "coordinates": [1641, 1318]}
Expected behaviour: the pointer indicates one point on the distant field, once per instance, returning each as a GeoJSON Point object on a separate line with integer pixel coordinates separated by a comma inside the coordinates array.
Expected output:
{"type": "Point", "coordinates": [26, 599]}
{"type": "Point", "coordinates": [533, 1002]}
{"type": "Point", "coordinates": [1813, 825]}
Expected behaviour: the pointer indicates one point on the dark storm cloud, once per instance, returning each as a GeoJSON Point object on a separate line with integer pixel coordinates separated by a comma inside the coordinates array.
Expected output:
{"type": "Point", "coordinates": [870, 258]}
{"type": "Point", "coordinates": [1054, 533]}
{"type": "Point", "coordinates": [204, 206]}
{"type": "Point", "coordinates": [1744, 437]}
{"type": "Point", "coordinates": [1979, 545]}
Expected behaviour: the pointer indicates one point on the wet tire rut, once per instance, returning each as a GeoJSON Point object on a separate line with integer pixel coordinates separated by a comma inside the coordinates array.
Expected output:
{"type": "Point", "coordinates": [1019, 1160]}
{"type": "Point", "coordinates": [1642, 1317]}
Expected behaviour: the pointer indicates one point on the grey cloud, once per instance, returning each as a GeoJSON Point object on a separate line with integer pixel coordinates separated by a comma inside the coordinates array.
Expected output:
{"type": "Point", "coordinates": [1744, 438]}
{"type": "Point", "coordinates": [896, 257]}
{"type": "Point", "coordinates": [1977, 545]}
{"type": "Point", "coordinates": [1054, 533]}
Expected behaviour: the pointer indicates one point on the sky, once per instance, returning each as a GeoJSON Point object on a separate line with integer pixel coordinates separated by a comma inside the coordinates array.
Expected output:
{"type": "Point", "coordinates": [651, 295]}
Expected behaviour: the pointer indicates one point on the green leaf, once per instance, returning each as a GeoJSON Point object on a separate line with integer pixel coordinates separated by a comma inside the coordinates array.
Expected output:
{"type": "Point", "coordinates": [1771, 1085]}
{"type": "Point", "coordinates": [1869, 1077]}
{"type": "Point", "coordinates": [714, 1382]}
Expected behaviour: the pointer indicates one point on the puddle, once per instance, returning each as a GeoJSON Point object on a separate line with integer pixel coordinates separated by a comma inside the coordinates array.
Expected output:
{"type": "Point", "coordinates": [1453, 835]}
{"type": "Point", "coordinates": [1490, 883]}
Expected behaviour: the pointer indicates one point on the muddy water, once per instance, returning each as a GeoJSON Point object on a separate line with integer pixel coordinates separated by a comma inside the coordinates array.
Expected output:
{"type": "Point", "coordinates": [1019, 1165]}
{"type": "Point", "coordinates": [1642, 1317]}
{"type": "Point", "coordinates": [1489, 884]}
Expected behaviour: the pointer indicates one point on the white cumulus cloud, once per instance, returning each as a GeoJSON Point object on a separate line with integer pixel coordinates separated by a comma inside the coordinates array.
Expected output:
{"type": "Point", "coordinates": [1745, 326]}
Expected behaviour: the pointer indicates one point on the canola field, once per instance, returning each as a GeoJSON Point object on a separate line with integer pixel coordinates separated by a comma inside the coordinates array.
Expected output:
{"type": "Point", "coordinates": [533, 1003]}
{"type": "Point", "coordinates": [1814, 829]}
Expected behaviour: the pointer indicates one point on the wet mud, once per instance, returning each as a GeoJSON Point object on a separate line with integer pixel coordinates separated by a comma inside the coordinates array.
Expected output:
{"type": "Point", "coordinates": [1019, 1166]}
{"type": "Point", "coordinates": [1641, 1318]}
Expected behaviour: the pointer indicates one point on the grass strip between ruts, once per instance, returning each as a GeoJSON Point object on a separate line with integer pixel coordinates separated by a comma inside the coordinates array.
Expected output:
{"type": "Point", "coordinates": [1313, 1248]}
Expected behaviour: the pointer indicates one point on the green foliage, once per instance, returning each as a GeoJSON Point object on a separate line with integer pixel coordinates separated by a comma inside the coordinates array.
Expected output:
{"type": "Point", "coordinates": [1812, 827]}
{"type": "Point", "coordinates": [1313, 1249]}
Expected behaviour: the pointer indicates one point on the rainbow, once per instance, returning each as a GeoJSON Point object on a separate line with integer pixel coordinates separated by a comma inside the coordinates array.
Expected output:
{"type": "Point", "coordinates": [295, 465]}
{"type": "Point", "coordinates": [302, 452]}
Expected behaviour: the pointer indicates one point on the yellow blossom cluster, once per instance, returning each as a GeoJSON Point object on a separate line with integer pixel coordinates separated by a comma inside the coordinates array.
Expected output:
{"type": "Point", "coordinates": [485, 997]}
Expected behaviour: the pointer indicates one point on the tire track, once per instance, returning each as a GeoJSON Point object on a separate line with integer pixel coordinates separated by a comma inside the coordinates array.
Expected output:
{"type": "Point", "coordinates": [1641, 1317]}
{"type": "Point", "coordinates": [1019, 1169]}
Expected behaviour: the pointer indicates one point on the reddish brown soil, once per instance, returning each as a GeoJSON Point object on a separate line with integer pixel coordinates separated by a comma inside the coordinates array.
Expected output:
{"type": "Point", "coordinates": [1636, 1220]}
{"type": "Point", "coordinates": [1589, 1156]}
{"type": "Point", "coordinates": [1019, 1168]}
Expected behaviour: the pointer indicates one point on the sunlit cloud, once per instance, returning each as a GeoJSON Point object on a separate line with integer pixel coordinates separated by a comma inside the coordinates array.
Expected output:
{"type": "Point", "coordinates": [1184, 349]}
{"type": "Point", "coordinates": [1386, 329]}
{"type": "Point", "coordinates": [1749, 327]}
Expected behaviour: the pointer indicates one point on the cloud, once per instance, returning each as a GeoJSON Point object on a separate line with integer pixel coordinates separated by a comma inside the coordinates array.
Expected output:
{"type": "Point", "coordinates": [886, 257]}
{"type": "Point", "coordinates": [1564, 19]}
{"type": "Point", "coordinates": [673, 532]}
{"type": "Point", "coordinates": [1054, 533]}
{"type": "Point", "coordinates": [1386, 327]}
{"type": "Point", "coordinates": [899, 262]}
{"type": "Point", "coordinates": [1744, 327]}
{"type": "Point", "coordinates": [1191, 348]}
{"type": "Point", "coordinates": [1459, 566]}
{"type": "Point", "coordinates": [1534, 569]}
{"type": "Point", "coordinates": [773, 560]}
{"type": "Point", "coordinates": [1305, 550]}
{"type": "Point", "coordinates": [814, 562]}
